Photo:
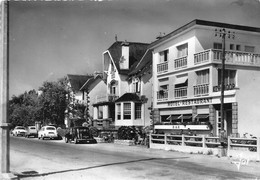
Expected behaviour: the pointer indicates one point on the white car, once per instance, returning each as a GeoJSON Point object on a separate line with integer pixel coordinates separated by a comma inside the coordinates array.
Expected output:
{"type": "Point", "coordinates": [19, 131]}
{"type": "Point", "coordinates": [48, 132]}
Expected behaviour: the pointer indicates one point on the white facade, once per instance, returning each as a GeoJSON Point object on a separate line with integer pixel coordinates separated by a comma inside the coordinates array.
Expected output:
{"type": "Point", "coordinates": [186, 83]}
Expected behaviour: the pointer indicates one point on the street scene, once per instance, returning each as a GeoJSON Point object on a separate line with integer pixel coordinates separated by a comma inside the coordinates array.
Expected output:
{"type": "Point", "coordinates": [110, 161]}
{"type": "Point", "coordinates": [119, 89]}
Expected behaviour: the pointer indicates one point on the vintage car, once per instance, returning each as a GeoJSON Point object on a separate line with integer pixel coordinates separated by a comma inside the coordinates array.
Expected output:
{"type": "Point", "coordinates": [18, 131]}
{"type": "Point", "coordinates": [31, 131]}
{"type": "Point", "coordinates": [48, 132]}
{"type": "Point", "coordinates": [79, 134]}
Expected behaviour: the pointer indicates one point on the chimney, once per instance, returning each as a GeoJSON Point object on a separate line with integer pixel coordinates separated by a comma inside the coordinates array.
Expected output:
{"type": "Point", "coordinates": [124, 60]}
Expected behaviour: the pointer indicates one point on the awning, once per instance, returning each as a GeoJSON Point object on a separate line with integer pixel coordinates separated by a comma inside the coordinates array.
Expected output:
{"type": "Point", "coordinates": [183, 116]}
{"type": "Point", "coordinates": [202, 116]}
{"type": "Point", "coordinates": [181, 80]}
{"type": "Point", "coordinates": [173, 117]}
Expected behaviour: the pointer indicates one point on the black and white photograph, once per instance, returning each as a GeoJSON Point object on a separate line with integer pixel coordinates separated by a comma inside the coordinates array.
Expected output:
{"type": "Point", "coordinates": [130, 89]}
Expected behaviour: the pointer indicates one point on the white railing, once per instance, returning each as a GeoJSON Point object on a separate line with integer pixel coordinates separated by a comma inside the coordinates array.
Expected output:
{"type": "Point", "coordinates": [202, 89]}
{"type": "Point", "coordinates": [162, 67]}
{"type": "Point", "coordinates": [180, 62]}
{"type": "Point", "coordinates": [162, 95]}
{"type": "Point", "coordinates": [202, 57]}
{"type": "Point", "coordinates": [180, 92]}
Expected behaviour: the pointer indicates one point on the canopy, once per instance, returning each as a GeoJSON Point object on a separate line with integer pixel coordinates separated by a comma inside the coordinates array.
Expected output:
{"type": "Point", "coordinates": [181, 80]}
{"type": "Point", "coordinates": [202, 116]}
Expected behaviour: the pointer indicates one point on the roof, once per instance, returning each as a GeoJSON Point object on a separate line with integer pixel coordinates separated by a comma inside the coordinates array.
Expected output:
{"type": "Point", "coordinates": [86, 85]}
{"type": "Point", "coordinates": [136, 52]}
{"type": "Point", "coordinates": [129, 97]}
{"type": "Point", "coordinates": [142, 65]}
{"type": "Point", "coordinates": [77, 81]}
{"type": "Point", "coordinates": [204, 23]}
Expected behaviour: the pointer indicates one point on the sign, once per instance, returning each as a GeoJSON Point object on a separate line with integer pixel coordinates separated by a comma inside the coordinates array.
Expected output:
{"type": "Point", "coordinates": [191, 127]}
{"type": "Point", "coordinates": [190, 102]}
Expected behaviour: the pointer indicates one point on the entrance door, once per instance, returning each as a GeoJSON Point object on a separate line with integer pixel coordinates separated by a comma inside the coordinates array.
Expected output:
{"type": "Point", "coordinates": [218, 121]}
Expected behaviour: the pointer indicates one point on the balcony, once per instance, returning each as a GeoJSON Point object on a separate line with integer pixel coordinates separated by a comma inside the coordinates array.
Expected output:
{"type": "Point", "coordinates": [231, 57]}
{"type": "Point", "coordinates": [106, 98]}
{"type": "Point", "coordinates": [162, 67]}
{"type": "Point", "coordinates": [180, 62]}
{"type": "Point", "coordinates": [202, 89]}
{"type": "Point", "coordinates": [162, 95]}
{"type": "Point", "coordinates": [180, 92]}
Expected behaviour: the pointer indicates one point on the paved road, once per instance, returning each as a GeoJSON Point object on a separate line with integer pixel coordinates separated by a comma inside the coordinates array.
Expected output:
{"type": "Point", "coordinates": [53, 159]}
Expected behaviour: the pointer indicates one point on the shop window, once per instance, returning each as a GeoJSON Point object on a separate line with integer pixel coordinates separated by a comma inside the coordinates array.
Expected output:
{"type": "Point", "coordinates": [217, 45]}
{"type": "Point", "coordinates": [127, 110]}
{"type": "Point", "coordinates": [182, 50]}
{"type": "Point", "coordinates": [118, 111]}
{"type": "Point", "coordinates": [164, 56]}
{"type": "Point", "coordinates": [138, 111]}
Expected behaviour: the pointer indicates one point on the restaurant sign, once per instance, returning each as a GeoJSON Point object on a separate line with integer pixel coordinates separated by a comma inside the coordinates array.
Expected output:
{"type": "Point", "coordinates": [190, 102]}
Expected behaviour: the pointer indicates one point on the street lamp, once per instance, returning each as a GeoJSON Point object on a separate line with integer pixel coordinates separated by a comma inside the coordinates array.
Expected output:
{"type": "Point", "coordinates": [231, 35]}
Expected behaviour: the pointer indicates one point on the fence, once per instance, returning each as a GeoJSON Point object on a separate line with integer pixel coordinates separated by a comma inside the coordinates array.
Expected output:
{"type": "Point", "coordinates": [206, 145]}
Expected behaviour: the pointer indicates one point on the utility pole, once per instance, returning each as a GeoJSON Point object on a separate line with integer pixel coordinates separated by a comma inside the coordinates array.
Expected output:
{"type": "Point", "coordinates": [223, 33]}
{"type": "Point", "coordinates": [4, 88]}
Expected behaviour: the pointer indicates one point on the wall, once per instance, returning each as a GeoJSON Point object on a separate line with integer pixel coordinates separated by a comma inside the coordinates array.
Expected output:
{"type": "Point", "coordinates": [98, 90]}
{"type": "Point", "coordinates": [248, 98]}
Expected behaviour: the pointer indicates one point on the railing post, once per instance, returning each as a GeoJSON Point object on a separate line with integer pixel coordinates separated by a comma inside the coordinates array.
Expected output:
{"type": "Point", "coordinates": [150, 140]}
{"type": "Point", "coordinates": [165, 138]}
{"type": "Point", "coordinates": [258, 148]}
{"type": "Point", "coordinates": [228, 145]}
{"type": "Point", "coordinates": [203, 141]}
{"type": "Point", "coordinates": [182, 140]}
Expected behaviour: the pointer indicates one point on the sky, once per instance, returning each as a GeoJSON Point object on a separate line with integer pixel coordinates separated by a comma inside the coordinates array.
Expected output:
{"type": "Point", "coordinates": [50, 39]}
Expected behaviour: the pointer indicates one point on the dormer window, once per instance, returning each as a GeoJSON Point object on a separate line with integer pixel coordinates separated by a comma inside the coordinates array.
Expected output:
{"type": "Point", "coordinates": [136, 85]}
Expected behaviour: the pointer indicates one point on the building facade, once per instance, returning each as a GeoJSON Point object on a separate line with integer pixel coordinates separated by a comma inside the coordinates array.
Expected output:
{"type": "Point", "coordinates": [187, 77]}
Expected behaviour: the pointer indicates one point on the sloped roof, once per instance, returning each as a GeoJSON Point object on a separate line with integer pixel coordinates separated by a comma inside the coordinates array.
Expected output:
{"type": "Point", "coordinates": [136, 52]}
{"type": "Point", "coordinates": [86, 85]}
{"type": "Point", "coordinates": [142, 65]}
{"type": "Point", "coordinates": [77, 81]}
{"type": "Point", "coordinates": [129, 97]}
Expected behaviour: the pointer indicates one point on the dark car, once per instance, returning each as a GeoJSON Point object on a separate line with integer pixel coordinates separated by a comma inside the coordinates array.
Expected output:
{"type": "Point", "coordinates": [79, 134]}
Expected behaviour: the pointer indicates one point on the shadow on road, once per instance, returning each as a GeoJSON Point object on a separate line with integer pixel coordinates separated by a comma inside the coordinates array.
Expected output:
{"type": "Point", "coordinates": [36, 174]}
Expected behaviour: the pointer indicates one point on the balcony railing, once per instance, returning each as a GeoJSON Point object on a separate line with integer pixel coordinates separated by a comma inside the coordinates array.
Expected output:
{"type": "Point", "coordinates": [202, 89]}
{"type": "Point", "coordinates": [106, 98]}
{"type": "Point", "coordinates": [162, 67]}
{"type": "Point", "coordinates": [162, 95]}
{"type": "Point", "coordinates": [201, 57]}
{"type": "Point", "coordinates": [180, 62]}
{"type": "Point", "coordinates": [231, 57]}
{"type": "Point", "coordinates": [180, 92]}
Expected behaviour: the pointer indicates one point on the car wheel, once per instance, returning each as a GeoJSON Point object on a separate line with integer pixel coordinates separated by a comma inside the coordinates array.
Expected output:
{"type": "Point", "coordinates": [75, 141]}
{"type": "Point", "coordinates": [66, 140]}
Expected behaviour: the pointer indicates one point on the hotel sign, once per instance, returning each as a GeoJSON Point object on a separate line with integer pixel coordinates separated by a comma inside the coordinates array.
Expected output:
{"type": "Point", "coordinates": [190, 102]}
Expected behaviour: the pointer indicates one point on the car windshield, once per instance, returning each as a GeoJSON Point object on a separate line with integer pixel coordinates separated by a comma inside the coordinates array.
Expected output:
{"type": "Point", "coordinates": [83, 131]}
{"type": "Point", "coordinates": [50, 128]}
{"type": "Point", "coordinates": [32, 127]}
{"type": "Point", "coordinates": [20, 128]}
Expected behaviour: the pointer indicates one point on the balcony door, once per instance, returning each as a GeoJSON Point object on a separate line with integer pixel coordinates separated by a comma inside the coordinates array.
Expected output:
{"type": "Point", "coordinates": [218, 122]}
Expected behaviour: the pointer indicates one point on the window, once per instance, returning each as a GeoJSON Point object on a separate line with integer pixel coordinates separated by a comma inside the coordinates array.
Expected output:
{"type": "Point", "coordinates": [164, 87]}
{"type": "Point", "coordinates": [250, 49]}
{"type": "Point", "coordinates": [202, 77]}
{"type": "Point", "coordinates": [231, 46]}
{"type": "Point", "coordinates": [118, 111]}
{"type": "Point", "coordinates": [217, 45]}
{"type": "Point", "coordinates": [127, 110]}
{"type": "Point", "coordinates": [136, 85]}
{"type": "Point", "coordinates": [238, 47]}
{"type": "Point", "coordinates": [229, 77]}
{"type": "Point", "coordinates": [100, 112]}
{"type": "Point", "coordinates": [138, 110]}
{"type": "Point", "coordinates": [113, 88]}
{"type": "Point", "coordinates": [182, 50]}
{"type": "Point", "coordinates": [164, 56]}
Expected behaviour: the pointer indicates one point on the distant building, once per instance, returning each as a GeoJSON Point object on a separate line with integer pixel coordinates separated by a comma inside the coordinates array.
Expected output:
{"type": "Point", "coordinates": [186, 79]}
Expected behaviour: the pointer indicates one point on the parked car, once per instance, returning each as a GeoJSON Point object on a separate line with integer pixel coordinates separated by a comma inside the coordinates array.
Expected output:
{"type": "Point", "coordinates": [31, 131]}
{"type": "Point", "coordinates": [79, 134]}
{"type": "Point", "coordinates": [48, 132]}
{"type": "Point", "coordinates": [19, 131]}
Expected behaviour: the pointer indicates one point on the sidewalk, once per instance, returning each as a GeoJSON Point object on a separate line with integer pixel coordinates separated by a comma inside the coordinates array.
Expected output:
{"type": "Point", "coordinates": [61, 173]}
